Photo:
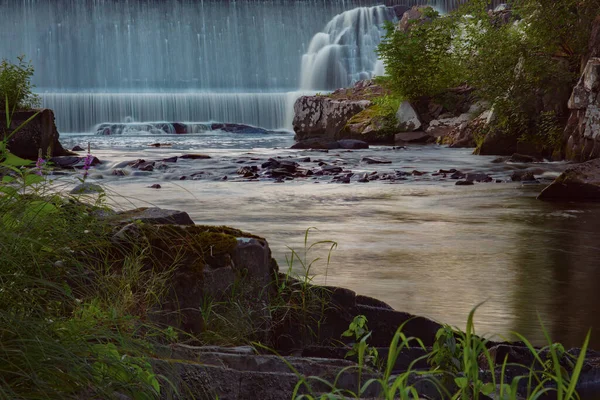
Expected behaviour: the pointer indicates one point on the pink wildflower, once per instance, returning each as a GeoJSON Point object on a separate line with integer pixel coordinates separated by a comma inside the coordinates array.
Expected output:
{"type": "Point", "coordinates": [87, 163]}
{"type": "Point", "coordinates": [39, 165]}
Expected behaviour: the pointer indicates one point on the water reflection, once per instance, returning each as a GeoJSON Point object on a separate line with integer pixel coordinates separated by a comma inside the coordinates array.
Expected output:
{"type": "Point", "coordinates": [434, 250]}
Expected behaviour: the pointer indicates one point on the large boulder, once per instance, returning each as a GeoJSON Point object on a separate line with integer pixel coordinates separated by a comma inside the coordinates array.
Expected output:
{"type": "Point", "coordinates": [580, 182]}
{"type": "Point", "coordinates": [466, 133]}
{"type": "Point", "coordinates": [323, 117]}
{"type": "Point", "coordinates": [204, 263]}
{"type": "Point", "coordinates": [40, 134]}
{"type": "Point", "coordinates": [582, 132]}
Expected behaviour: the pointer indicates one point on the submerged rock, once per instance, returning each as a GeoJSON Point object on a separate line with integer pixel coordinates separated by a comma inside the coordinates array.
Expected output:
{"type": "Point", "coordinates": [87, 188]}
{"type": "Point", "coordinates": [195, 157]}
{"type": "Point", "coordinates": [580, 182]}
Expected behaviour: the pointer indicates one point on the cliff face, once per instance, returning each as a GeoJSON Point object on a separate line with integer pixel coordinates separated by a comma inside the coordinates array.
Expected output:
{"type": "Point", "coordinates": [38, 134]}
{"type": "Point", "coordinates": [582, 133]}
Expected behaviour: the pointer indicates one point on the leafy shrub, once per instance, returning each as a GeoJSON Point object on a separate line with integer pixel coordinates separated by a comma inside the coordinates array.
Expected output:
{"type": "Point", "coordinates": [16, 86]}
{"type": "Point", "coordinates": [419, 62]}
{"type": "Point", "coordinates": [525, 65]}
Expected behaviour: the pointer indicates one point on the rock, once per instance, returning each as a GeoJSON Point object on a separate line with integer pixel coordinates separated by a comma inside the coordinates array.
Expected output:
{"type": "Point", "coordinates": [155, 215]}
{"type": "Point", "coordinates": [407, 117]}
{"type": "Point", "coordinates": [237, 128]}
{"type": "Point", "coordinates": [496, 143]}
{"type": "Point", "coordinates": [443, 127]}
{"type": "Point", "coordinates": [519, 176]}
{"type": "Point", "coordinates": [522, 158]}
{"type": "Point", "coordinates": [147, 166]}
{"type": "Point", "coordinates": [316, 144]}
{"type": "Point", "coordinates": [156, 186]}
{"type": "Point", "coordinates": [353, 144]}
{"type": "Point", "coordinates": [343, 306]}
{"type": "Point", "coordinates": [582, 132]}
{"type": "Point", "coordinates": [195, 157]}
{"type": "Point", "coordinates": [580, 182]}
{"type": "Point", "coordinates": [413, 16]}
{"type": "Point", "coordinates": [323, 117]}
{"type": "Point", "coordinates": [118, 172]}
{"type": "Point", "coordinates": [40, 134]}
{"type": "Point", "coordinates": [373, 160]}
{"type": "Point", "coordinates": [72, 162]}
{"type": "Point", "coordinates": [77, 148]}
{"type": "Point", "coordinates": [413, 137]}
{"type": "Point", "coordinates": [331, 169]}
{"type": "Point", "coordinates": [87, 188]}
{"type": "Point", "coordinates": [464, 183]}
{"type": "Point", "coordinates": [400, 10]}
{"type": "Point", "coordinates": [478, 177]}
{"type": "Point", "coordinates": [464, 134]}
{"type": "Point", "coordinates": [170, 159]}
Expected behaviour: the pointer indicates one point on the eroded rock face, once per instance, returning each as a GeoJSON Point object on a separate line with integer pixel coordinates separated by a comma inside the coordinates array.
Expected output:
{"type": "Point", "coordinates": [415, 15]}
{"type": "Point", "coordinates": [38, 135]}
{"type": "Point", "coordinates": [323, 117]}
{"type": "Point", "coordinates": [582, 132]}
{"type": "Point", "coordinates": [464, 133]}
{"type": "Point", "coordinates": [580, 182]}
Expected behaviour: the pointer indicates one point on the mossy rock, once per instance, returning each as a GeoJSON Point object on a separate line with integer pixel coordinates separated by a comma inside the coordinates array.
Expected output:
{"type": "Point", "coordinates": [372, 125]}
{"type": "Point", "coordinates": [191, 247]}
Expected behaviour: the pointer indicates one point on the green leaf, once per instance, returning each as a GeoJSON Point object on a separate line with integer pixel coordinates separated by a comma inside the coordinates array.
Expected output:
{"type": "Point", "coordinates": [14, 161]}
{"type": "Point", "coordinates": [11, 191]}
{"type": "Point", "coordinates": [8, 179]}
{"type": "Point", "coordinates": [488, 389]}
{"type": "Point", "coordinates": [31, 179]}
{"type": "Point", "coordinates": [462, 383]}
{"type": "Point", "coordinates": [39, 208]}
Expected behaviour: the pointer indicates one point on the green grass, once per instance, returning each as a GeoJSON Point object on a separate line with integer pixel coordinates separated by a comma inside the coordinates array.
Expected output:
{"type": "Point", "coordinates": [461, 367]}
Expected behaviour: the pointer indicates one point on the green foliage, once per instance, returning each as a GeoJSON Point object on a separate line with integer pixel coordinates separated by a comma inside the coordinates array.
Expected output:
{"type": "Point", "coordinates": [16, 88]}
{"type": "Point", "coordinates": [461, 368]}
{"type": "Point", "coordinates": [446, 351]}
{"type": "Point", "coordinates": [524, 62]}
{"type": "Point", "coordinates": [360, 332]}
{"type": "Point", "coordinates": [419, 62]}
{"type": "Point", "coordinates": [73, 305]}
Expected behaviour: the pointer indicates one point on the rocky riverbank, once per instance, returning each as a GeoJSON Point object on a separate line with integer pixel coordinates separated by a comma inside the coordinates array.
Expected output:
{"type": "Point", "coordinates": [298, 329]}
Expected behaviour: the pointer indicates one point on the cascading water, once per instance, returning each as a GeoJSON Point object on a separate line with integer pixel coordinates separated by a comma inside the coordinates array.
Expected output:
{"type": "Point", "coordinates": [345, 51]}
{"type": "Point", "coordinates": [196, 60]}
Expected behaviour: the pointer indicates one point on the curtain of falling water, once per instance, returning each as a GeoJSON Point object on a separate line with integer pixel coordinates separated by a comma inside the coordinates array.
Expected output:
{"type": "Point", "coordinates": [171, 46]}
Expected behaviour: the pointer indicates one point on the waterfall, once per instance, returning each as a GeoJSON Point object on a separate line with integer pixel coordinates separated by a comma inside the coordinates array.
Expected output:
{"type": "Point", "coordinates": [79, 112]}
{"type": "Point", "coordinates": [231, 61]}
{"type": "Point", "coordinates": [344, 52]}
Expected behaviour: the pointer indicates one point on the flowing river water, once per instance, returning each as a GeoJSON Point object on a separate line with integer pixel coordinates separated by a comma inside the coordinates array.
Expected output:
{"type": "Point", "coordinates": [424, 245]}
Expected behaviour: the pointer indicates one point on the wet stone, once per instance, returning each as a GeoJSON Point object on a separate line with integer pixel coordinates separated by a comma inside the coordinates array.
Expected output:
{"type": "Point", "coordinates": [195, 157]}
{"type": "Point", "coordinates": [373, 160]}
{"type": "Point", "coordinates": [478, 177]}
{"type": "Point", "coordinates": [156, 186]}
{"type": "Point", "coordinates": [464, 183]}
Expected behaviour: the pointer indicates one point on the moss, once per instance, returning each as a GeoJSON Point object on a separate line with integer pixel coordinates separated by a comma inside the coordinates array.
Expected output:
{"type": "Point", "coordinates": [190, 246]}
{"type": "Point", "coordinates": [379, 119]}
